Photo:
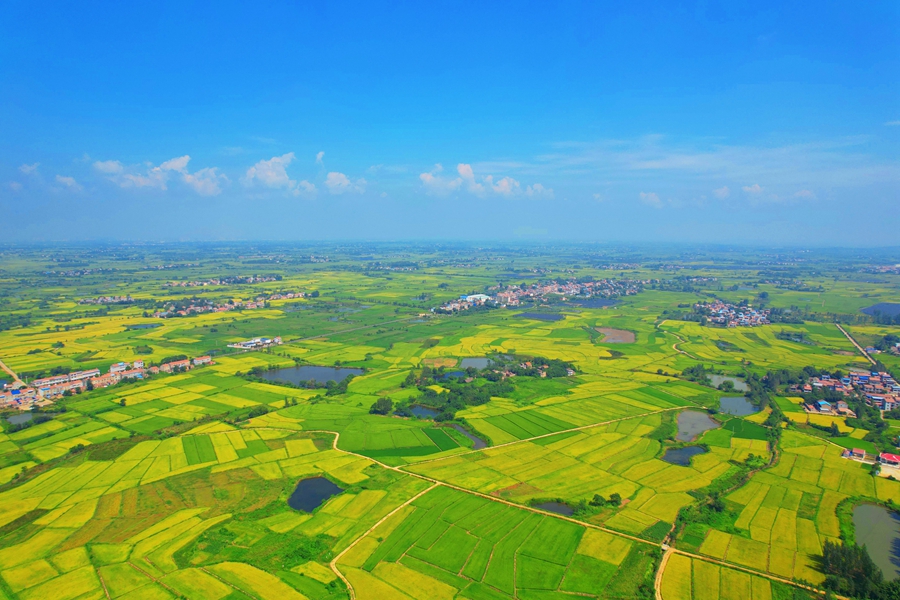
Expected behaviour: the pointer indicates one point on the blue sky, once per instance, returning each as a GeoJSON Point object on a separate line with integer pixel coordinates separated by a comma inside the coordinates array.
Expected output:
{"type": "Point", "coordinates": [743, 122]}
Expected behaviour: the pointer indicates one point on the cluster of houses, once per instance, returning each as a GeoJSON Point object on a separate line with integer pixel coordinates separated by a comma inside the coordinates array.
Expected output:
{"type": "Point", "coordinates": [256, 343]}
{"type": "Point", "coordinates": [225, 281]}
{"type": "Point", "coordinates": [46, 389]}
{"type": "Point", "coordinates": [514, 295]}
{"type": "Point", "coordinates": [732, 315]}
{"type": "Point", "coordinates": [878, 388]}
{"type": "Point", "coordinates": [206, 306]}
{"type": "Point", "coordinates": [107, 300]}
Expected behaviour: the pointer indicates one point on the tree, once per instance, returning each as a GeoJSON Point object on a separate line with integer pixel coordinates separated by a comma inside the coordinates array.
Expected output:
{"type": "Point", "coordinates": [382, 406]}
{"type": "Point", "coordinates": [615, 499]}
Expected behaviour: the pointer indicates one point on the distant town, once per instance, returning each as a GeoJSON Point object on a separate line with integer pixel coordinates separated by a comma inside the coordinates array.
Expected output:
{"type": "Point", "coordinates": [514, 295]}
{"type": "Point", "coordinates": [225, 281]}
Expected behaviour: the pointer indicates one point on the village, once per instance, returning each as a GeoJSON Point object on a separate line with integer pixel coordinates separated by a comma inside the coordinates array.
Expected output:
{"type": "Point", "coordinates": [225, 281]}
{"type": "Point", "coordinates": [44, 391]}
{"type": "Point", "coordinates": [732, 315]}
{"type": "Point", "coordinates": [196, 306]}
{"type": "Point", "coordinates": [514, 295]}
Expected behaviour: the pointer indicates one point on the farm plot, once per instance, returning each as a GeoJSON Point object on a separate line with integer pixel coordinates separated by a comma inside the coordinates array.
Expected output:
{"type": "Point", "coordinates": [449, 544]}
{"type": "Point", "coordinates": [687, 578]}
{"type": "Point", "coordinates": [785, 513]}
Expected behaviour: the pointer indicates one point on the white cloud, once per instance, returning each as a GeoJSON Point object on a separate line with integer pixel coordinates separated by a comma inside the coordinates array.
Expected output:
{"type": "Point", "coordinates": [752, 189]}
{"type": "Point", "coordinates": [206, 182]}
{"type": "Point", "coordinates": [538, 191]}
{"type": "Point", "coordinates": [722, 192]}
{"type": "Point", "coordinates": [29, 169]}
{"type": "Point", "coordinates": [110, 167]}
{"type": "Point", "coordinates": [175, 164]}
{"type": "Point", "coordinates": [305, 188]}
{"type": "Point", "coordinates": [68, 182]}
{"type": "Point", "coordinates": [892, 123]}
{"type": "Point", "coordinates": [439, 186]}
{"type": "Point", "coordinates": [319, 156]}
{"type": "Point", "coordinates": [808, 194]}
{"type": "Point", "coordinates": [338, 183]}
{"type": "Point", "coordinates": [468, 177]}
{"type": "Point", "coordinates": [506, 186]}
{"type": "Point", "coordinates": [598, 197]}
{"type": "Point", "coordinates": [15, 186]}
{"type": "Point", "coordinates": [272, 173]}
{"type": "Point", "coordinates": [650, 199]}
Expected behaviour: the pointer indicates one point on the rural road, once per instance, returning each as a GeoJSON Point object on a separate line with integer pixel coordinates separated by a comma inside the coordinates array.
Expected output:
{"type": "Point", "coordinates": [852, 341]}
{"type": "Point", "coordinates": [11, 372]}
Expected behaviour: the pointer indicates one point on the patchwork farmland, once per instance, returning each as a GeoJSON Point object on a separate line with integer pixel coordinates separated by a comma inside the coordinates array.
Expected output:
{"type": "Point", "coordinates": [544, 475]}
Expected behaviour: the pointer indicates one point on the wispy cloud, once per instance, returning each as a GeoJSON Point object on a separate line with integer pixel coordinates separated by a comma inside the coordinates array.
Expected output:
{"type": "Point", "coordinates": [15, 186]}
{"type": "Point", "coordinates": [319, 157]}
{"type": "Point", "coordinates": [29, 169]}
{"type": "Point", "coordinates": [892, 123]}
{"type": "Point", "coordinates": [722, 192]}
{"type": "Point", "coordinates": [68, 183]}
{"type": "Point", "coordinates": [752, 189]}
{"type": "Point", "coordinates": [650, 199]}
{"type": "Point", "coordinates": [206, 182]}
{"type": "Point", "coordinates": [466, 180]}
{"type": "Point", "coordinates": [538, 191]}
{"type": "Point", "coordinates": [806, 194]}
{"type": "Point", "coordinates": [338, 183]}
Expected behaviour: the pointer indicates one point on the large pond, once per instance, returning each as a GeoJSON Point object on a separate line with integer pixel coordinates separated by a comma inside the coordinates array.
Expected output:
{"type": "Point", "coordinates": [879, 529]}
{"type": "Point", "coordinates": [477, 441]}
{"type": "Point", "coordinates": [311, 493]}
{"type": "Point", "coordinates": [556, 507]}
{"type": "Point", "coordinates": [453, 374]}
{"type": "Point", "coordinates": [19, 418]}
{"type": "Point", "coordinates": [300, 375]}
{"type": "Point", "coordinates": [888, 309]}
{"type": "Point", "coordinates": [478, 363]}
{"type": "Point", "coordinates": [739, 384]}
{"type": "Point", "coordinates": [682, 456]}
{"type": "Point", "coordinates": [144, 326]}
{"type": "Point", "coordinates": [737, 406]}
{"type": "Point", "coordinates": [692, 423]}
{"type": "Point", "coordinates": [541, 316]}
{"type": "Point", "coordinates": [423, 412]}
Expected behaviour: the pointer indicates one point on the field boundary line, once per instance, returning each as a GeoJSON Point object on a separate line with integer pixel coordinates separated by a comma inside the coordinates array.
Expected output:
{"type": "Point", "coordinates": [854, 342]}
{"type": "Point", "coordinates": [151, 577]}
{"type": "Point", "coordinates": [103, 583]}
{"type": "Point", "coordinates": [231, 585]}
{"type": "Point", "coordinates": [333, 563]}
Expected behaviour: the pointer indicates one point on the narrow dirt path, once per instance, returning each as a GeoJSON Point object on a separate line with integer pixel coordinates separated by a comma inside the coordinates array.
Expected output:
{"type": "Point", "coordinates": [852, 341]}
{"type": "Point", "coordinates": [657, 581]}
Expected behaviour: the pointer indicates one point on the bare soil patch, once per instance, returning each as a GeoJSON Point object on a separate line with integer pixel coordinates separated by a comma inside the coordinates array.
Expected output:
{"type": "Point", "coordinates": [440, 362]}
{"type": "Point", "coordinates": [616, 336]}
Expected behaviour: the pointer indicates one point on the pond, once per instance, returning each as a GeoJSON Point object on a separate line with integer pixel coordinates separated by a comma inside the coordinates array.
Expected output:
{"type": "Point", "coordinates": [879, 529]}
{"type": "Point", "coordinates": [692, 423]}
{"type": "Point", "coordinates": [616, 336]}
{"type": "Point", "coordinates": [739, 384]}
{"type": "Point", "coordinates": [555, 507]}
{"type": "Point", "coordinates": [453, 374]}
{"type": "Point", "coordinates": [888, 309]}
{"type": "Point", "coordinates": [311, 493]}
{"type": "Point", "coordinates": [144, 326]}
{"type": "Point", "coordinates": [423, 412]}
{"type": "Point", "coordinates": [682, 456]}
{"type": "Point", "coordinates": [737, 406]}
{"type": "Point", "coordinates": [540, 316]}
{"type": "Point", "coordinates": [478, 363]}
{"type": "Point", "coordinates": [477, 441]}
{"type": "Point", "coordinates": [300, 375]}
{"type": "Point", "coordinates": [19, 418]}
